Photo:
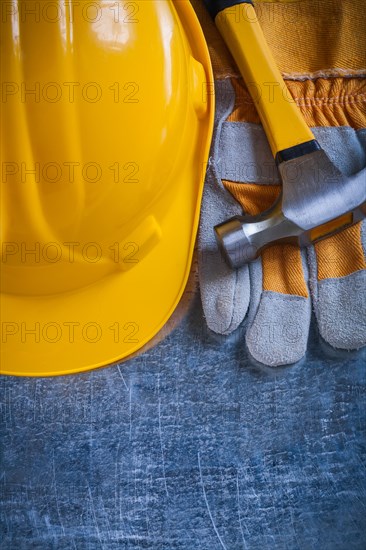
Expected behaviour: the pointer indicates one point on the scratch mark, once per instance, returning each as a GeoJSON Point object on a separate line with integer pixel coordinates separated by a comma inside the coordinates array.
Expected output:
{"type": "Point", "coordinates": [129, 389]}
{"type": "Point", "coordinates": [91, 411]}
{"type": "Point", "coordinates": [130, 411]}
{"type": "Point", "coordinates": [207, 505]}
{"type": "Point", "coordinates": [94, 516]}
{"type": "Point", "coordinates": [147, 481]}
{"type": "Point", "coordinates": [116, 486]}
{"type": "Point", "coordinates": [35, 401]}
{"type": "Point", "coordinates": [109, 529]}
{"type": "Point", "coordinates": [121, 375]}
{"type": "Point", "coordinates": [238, 498]}
{"type": "Point", "coordinates": [161, 437]}
{"type": "Point", "coordinates": [293, 526]}
{"type": "Point", "coordinates": [33, 516]}
{"type": "Point", "coordinates": [56, 495]}
{"type": "Point", "coordinates": [118, 491]}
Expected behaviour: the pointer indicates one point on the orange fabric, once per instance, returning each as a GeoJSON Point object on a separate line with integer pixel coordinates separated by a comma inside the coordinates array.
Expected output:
{"type": "Point", "coordinates": [341, 254]}
{"type": "Point", "coordinates": [315, 37]}
{"type": "Point", "coordinates": [282, 270]}
{"type": "Point", "coordinates": [252, 197]}
{"type": "Point", "coordinates": [334, 102]}
{"type": "Point", "coordinates": [282, 265]}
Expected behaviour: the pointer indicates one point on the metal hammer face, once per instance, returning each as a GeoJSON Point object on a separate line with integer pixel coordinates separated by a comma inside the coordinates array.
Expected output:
{"type": "Point", "coordinates": [317, 200]}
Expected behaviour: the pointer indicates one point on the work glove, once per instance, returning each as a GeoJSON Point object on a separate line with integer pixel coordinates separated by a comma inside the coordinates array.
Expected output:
{"type": "Point", "coordinates": [320, 54]}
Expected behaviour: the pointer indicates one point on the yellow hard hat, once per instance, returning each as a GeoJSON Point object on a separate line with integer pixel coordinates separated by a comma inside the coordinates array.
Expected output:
{"type": "Point", "coordinates": [106, 125]}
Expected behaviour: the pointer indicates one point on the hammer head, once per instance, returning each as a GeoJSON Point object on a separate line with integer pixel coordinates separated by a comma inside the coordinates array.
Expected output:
{"type": "Point", "coordinates": [317, 200]}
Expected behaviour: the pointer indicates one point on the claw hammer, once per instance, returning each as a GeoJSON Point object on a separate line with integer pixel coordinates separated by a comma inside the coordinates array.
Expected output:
{"type": "Point", "coordinates": [317, 199]}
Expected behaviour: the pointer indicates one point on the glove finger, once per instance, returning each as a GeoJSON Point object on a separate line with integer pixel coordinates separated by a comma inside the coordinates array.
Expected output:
{"type": "Point", "coordinates": [280, 312]}
{"type": "Point", "coordinates": [337, 264]}
{"type": "Point", "coordinates": [225, 293]}
{"type": "Point", "coordinates": [338, 287]}
{"type": "Point", "coordinates": [280, 309]}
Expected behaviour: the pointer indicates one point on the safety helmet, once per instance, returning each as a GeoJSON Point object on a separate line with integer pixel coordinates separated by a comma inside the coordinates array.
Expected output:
{"type": "Point", "coordinates": [106, 124]}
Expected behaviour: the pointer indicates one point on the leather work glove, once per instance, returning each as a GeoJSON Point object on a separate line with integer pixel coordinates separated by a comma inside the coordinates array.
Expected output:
{"type": "Point", "coordinates": [320, 48]}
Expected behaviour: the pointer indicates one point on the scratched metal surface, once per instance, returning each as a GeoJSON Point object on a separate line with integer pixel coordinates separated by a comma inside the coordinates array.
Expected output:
{"type": "Point", "coordinates": [189, 446]}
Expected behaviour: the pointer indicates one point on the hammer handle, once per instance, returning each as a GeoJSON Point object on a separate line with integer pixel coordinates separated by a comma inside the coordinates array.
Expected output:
{"type": "Point", "coordinates": [281, 118]}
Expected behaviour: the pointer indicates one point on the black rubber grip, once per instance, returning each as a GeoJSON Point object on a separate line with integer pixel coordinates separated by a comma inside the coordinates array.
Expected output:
{"type": "Point", "coordinates": [297, 151]}
{"type": "Point", "coordinates": [215, 6]}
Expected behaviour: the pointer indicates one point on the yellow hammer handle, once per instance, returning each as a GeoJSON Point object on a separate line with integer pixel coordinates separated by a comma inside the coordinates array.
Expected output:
{"type": "Point", "coordinates": [281, 118]}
